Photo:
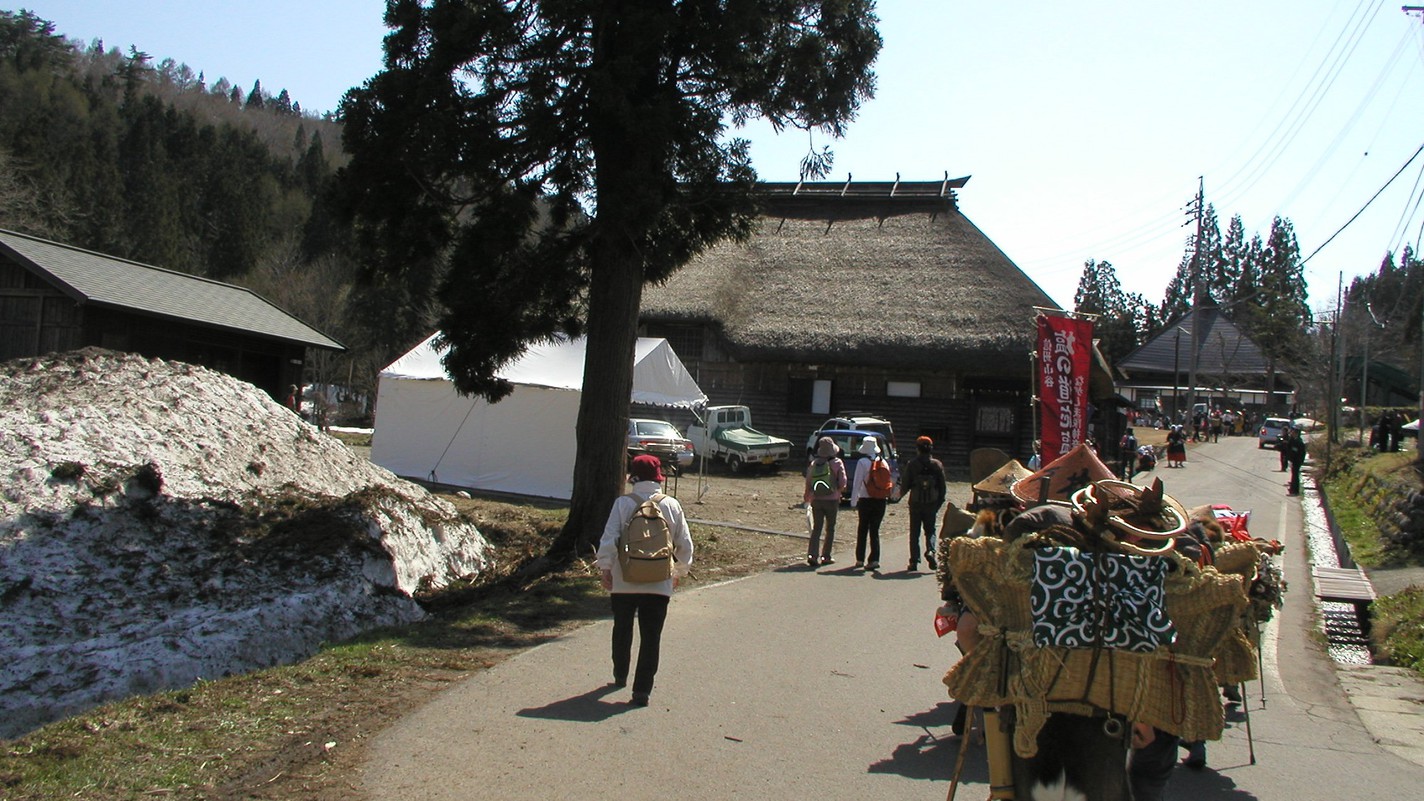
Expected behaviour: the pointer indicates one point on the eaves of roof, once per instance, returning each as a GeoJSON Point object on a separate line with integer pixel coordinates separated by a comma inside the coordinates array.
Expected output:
{"type": "Point", "coordinates": [108, 281]}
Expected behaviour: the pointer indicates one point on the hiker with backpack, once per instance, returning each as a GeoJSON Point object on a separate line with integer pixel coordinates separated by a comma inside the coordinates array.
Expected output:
{"type": "Point", "coordinates": [646, 548]}
{"type": "Point", "coordinates": [825, 481]}
{"type": "Point", "coordinates": [870, 492]}
{"type": "Point", "coordinates": [923, 478]}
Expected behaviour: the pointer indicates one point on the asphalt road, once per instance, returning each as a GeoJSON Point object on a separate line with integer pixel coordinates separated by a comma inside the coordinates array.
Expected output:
{"type": "Point", "coordinates": [826, 685]}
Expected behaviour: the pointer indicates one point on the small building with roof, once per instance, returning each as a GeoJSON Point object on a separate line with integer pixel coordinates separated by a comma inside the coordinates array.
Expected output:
{"type": "Point", "coordinates": [1231, 370]}
{"type": "Point", "coordinates": [874, 296]}
{"type": "Point", "coordinates": [55, 297]}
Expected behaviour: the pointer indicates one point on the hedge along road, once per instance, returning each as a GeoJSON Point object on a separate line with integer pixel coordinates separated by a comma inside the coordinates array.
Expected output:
{"type": "Point", "coordinates": [794, 684]}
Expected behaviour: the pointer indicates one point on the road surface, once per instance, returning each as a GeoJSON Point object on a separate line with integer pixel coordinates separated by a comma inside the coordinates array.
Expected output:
{"type": "Point", "coordinates": [826, 685]}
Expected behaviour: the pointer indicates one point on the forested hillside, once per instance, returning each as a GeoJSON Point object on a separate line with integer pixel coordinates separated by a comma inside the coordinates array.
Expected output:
{"type": "Point", "coordinates": [142, 158]}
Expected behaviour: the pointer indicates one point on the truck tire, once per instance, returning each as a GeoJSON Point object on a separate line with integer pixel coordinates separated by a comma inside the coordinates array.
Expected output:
{"type": "Point", "coordinates": [735, 463]}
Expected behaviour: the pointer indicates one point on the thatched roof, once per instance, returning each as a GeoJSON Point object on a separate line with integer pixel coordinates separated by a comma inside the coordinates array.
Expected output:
{"type": "Point", "coordinates": [884, 274]}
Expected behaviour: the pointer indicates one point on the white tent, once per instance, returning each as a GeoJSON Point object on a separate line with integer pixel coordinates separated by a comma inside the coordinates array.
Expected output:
{"type": "Point", "coordinates": [523, 444]}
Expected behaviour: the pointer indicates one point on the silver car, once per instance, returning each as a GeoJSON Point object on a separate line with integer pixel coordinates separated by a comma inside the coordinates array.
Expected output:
{"type": "Point", "coordinates": [661, 439]}
{"type": "Point", "coordinates": [1271, 431]}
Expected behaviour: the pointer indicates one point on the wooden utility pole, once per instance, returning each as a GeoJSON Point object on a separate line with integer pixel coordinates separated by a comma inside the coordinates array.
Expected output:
{"type": "Point", "coordinates": [1199, 207]}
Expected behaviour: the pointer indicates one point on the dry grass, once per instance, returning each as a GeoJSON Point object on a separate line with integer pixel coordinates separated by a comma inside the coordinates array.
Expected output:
{"type": "Point", "coordinates": [297, 731]}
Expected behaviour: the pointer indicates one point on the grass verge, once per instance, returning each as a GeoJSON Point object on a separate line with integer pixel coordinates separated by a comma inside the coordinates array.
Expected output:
{"type": "Point", "coordinates": [1359, 530]}
{"type": "Point", "coordinates": [1399, 628]}
{"type": "Point", "coordinates": [1397, 634]}
{"type": "Point", "coordinates": [296, 731]}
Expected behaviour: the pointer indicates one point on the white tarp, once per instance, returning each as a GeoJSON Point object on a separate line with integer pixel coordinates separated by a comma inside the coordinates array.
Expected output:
{"type": "Point", "coordinates": [525, 443]}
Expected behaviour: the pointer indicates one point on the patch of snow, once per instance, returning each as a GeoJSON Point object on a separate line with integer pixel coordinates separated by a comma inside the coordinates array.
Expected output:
{"type": "Point", "coordinates": [161, 523]}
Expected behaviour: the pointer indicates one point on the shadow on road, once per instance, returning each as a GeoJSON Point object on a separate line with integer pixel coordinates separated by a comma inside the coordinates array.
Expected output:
{"type": "Point", "coordinates": [587, 707]}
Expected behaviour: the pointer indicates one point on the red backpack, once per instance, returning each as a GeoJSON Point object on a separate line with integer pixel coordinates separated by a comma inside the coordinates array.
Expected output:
{"type": "Point", "coordinates": [878, 483]}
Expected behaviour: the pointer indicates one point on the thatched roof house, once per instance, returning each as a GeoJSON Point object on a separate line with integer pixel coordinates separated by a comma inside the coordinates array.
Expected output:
{"type": "Point", "coordinates": [871, 296]}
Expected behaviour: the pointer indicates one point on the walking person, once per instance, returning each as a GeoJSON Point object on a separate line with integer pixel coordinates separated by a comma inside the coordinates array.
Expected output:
{"type": "Point", "coordinates": [645, 601]}
{"type": "Point", "coordinates": [1294, 449]}
{"type": "Point", "coordinates": [825, 482]}
{"type": "Point", "coordinates": [870, 491]}
{"type": "Point", "coordinates": [923, 479]}
{"type": "Point", "coordinates": [1127, 455]}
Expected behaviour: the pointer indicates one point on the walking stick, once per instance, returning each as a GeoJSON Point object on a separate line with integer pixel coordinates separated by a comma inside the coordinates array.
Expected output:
{"type": "Point", "coordinates": [1260, 661]}
{"type": "Point", "coordinates": [1250, 741]}
{"type": "Point", "coordinates": [959, 760]}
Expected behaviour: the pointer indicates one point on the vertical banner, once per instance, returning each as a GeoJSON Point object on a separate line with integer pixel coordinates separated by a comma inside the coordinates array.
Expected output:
{"type": "Point", "coordinates": [1064, 358]}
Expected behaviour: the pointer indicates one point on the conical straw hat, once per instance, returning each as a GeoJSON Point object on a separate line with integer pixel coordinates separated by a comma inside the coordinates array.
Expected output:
{"type": "Point", "coordinates": [1001, 481]}
{"type": "Point", "coordinates": [1066, 475]}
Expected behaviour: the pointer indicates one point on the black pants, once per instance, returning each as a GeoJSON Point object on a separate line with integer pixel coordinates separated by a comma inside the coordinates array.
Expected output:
{"type": "Point", "coordinates": [651, 611]}
{"type": "Point", "coordinates": [1295, 478]}
{"type": "Point", "coordinates": [1151, 766]}
{"type": "Point", "coordinates": [922, 518]}
{"type": "Point", "coordinates": [872, 512]}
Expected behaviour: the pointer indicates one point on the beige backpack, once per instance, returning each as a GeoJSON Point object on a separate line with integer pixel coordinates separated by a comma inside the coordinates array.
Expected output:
{"type": "Point", "coordinates": [645, 547]}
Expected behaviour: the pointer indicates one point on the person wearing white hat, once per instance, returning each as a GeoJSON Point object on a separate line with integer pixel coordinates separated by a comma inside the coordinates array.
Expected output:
{"type": "Point", "coordinates": [869, 493]}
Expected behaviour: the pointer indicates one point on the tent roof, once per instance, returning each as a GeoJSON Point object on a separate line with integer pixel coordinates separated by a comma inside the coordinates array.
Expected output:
{"type": "Point", "coordinates": [659, 377]}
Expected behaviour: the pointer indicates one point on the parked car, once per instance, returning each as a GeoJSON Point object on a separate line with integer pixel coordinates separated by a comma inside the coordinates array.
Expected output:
{"type": "Point", "coordinates": [1269, 435]}
{"type": "Point", "coordinates": [848, 443]}
{"type": "Point", "coordinates": [661, 439]}
{"type": "Point", "coordinates": [852, 421]}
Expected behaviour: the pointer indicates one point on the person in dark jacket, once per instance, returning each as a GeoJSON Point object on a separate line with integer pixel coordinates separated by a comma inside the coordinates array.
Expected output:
{"type": "Point", "coordinates": [1294, 449]}
{"type": "Point", "coordinates": [923, 479]}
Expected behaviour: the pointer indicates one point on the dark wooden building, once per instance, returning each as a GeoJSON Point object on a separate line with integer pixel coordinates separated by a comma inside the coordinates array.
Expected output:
{"type": "Point", "coordinates": [876, 297]}
{"type": "Point", "coordinates": [1231, 370]}
{"type": "Point", "coordinates": [54, 297]}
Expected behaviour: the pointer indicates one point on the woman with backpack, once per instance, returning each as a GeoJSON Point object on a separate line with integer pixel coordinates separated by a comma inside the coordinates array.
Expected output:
{"type": "Point", "coordinates": [636, 590]}
{"type": "Point", "coordinates": [825, 481]}
{"type": "Point", "coordinates": [869, 493]}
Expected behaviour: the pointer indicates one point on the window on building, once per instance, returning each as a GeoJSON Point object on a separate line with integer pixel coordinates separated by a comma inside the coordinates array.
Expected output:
{"type": "Point", "coordinates": [902, 389]}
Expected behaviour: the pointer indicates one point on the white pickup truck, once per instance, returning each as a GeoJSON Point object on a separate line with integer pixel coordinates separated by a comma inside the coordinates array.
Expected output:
{"type": "Point", "coordinates": [733, 440]}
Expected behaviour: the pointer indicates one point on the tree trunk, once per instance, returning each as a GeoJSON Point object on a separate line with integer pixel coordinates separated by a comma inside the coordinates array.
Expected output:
{"type": "Point", "coordinates": [626, 134]}
{"type": "Point", "coordinates": [615, 294]}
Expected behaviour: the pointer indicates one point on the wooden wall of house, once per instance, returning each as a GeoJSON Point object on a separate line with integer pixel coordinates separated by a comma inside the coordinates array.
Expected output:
{"type": "Point", "coordinates": [959, 413]}
{"type": "Point", "coordinates": [269, 364]}
{"type": "Point", "coordinates": [35, 318]}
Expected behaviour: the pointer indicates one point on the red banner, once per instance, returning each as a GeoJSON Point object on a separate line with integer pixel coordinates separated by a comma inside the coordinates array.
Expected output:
{"type": "Point", "coordinates": [1064, 357]}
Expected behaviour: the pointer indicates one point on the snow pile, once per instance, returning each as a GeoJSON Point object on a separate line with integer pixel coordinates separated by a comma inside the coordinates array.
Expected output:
{"type": "Point", "coordinates": [163, 523]}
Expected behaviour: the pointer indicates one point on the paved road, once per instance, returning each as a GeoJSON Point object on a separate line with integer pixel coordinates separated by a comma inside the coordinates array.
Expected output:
{"type": "Point", "coordinates": [826, 685]}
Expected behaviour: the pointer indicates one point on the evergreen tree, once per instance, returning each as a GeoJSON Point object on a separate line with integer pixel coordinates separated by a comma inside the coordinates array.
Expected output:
{"type": "Point", "coordinates": [1279, 316]}
{"type": "Point", "coordinates": [256, 99]}
{"type": "Point", "coordinates": [28, 43]}
{"type": "Point", "coordinates": [1119, 314]}
{"type": "Point", "coordinates": [563, 153]}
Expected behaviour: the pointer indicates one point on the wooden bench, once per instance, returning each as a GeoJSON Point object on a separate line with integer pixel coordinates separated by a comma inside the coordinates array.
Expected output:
{"type": "Point", "coordinates": [1346, 585]}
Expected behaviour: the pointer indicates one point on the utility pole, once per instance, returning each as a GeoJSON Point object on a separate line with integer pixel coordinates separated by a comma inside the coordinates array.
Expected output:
{"type": "Point", "coordinates": [1199, 209]}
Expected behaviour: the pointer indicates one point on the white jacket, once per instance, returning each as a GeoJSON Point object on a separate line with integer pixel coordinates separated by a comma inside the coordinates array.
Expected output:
{"type": "Point", "coordinates": [618, 517]}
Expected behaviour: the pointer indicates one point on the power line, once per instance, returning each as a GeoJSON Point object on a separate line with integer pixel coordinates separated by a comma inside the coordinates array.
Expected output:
{"type": "Point", "coordinates": [1362, 208]}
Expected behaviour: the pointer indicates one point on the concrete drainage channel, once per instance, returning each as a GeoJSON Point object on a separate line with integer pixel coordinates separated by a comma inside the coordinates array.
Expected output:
{"type": "Point", "coordinates": [1346, 641]}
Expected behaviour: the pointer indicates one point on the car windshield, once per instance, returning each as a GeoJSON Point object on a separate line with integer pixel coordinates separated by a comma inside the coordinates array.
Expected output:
{"type": "Point", "coordinates": [655, 428]}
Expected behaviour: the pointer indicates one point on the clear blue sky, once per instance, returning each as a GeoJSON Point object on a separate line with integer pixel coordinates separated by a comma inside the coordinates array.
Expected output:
{"type": "Point", "coordinates": [1085, 125]}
